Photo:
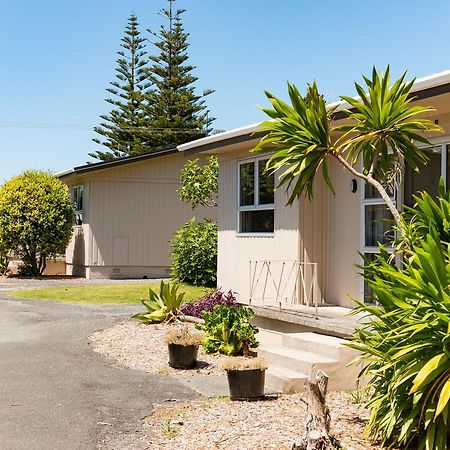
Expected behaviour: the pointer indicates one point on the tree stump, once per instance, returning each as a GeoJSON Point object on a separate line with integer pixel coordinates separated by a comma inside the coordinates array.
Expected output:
{"type": "Point", "coordinates": [318, 419]}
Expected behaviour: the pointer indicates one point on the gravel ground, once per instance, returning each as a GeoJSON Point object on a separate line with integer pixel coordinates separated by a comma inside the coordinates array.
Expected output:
{"type": "Point", "coordinates": [216, 423]}
{"type": "Point", "coordinates": [142, 347]}
{"type": "Point", "coordinates": [272, 424]}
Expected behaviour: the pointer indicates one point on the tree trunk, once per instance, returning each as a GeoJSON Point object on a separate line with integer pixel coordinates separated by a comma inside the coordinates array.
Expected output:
{"type": "Point", "coordinates": [379, 187]}
{"type": "Point", "coordinates": [42, 264]}
{"type": "Point", "coordinates": [317, 422]}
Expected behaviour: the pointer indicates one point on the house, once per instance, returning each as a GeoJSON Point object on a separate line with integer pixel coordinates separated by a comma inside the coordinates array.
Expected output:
{"type": "Point", "coordinates": [305, 255]}
{"type": "Point", "coordinates": [127, 210]}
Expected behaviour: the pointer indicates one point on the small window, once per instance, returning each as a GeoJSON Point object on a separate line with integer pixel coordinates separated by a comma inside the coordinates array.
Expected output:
{"type": "Point", "coordinates": [256, 197]}
{"type": "Point", "coordinates": [77, 202]}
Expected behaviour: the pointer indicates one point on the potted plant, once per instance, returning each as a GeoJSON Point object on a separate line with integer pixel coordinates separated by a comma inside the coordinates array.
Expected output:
{"type": "Point", "coordinates": [183, 345]}
{"type": "Point", "coordinates": [246, 377]}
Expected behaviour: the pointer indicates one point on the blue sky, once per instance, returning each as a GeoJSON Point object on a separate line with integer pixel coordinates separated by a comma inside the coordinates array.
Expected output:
{"type": "Point", "coordinates": [59, 56]}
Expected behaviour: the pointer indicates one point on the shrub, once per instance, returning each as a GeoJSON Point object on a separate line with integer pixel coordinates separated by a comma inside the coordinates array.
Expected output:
{"type": "Point", "coordinates": [406, 343]}
{"type": "Point", "coordinates": [200, 182]}
{"type": "Point", "coordinates": [35, 218]}
{"type": "Point", "coordinates": [207, 303]}
{"type": "Point", "coordinates": [162, 306]}
{"type": "Point", "coordinates": [228, 330]}
{"type": "Point", "coordinates": [194, 253]}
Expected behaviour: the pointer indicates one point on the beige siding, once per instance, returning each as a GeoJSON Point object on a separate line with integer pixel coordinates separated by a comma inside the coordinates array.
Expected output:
{"type": "Point", "coordinates": [342, 238]}
{"type": "Point", "coordinates": [236, 251]}
{"type": "Point", "coordinates": [324, 231]}
{"type": "Point", "coordinates": [133, 212]}
{"type": "Point", "coordinates": [312, 227]}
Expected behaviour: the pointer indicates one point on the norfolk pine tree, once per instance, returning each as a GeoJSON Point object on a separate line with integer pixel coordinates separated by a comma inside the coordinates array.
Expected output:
{"type": "Point", "coordinates": [177, 114]}
{"type": "Point", "coordinates": [121, 131]}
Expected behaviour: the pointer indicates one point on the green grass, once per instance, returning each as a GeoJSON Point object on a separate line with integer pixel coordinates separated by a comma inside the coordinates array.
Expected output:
{"type": "Point", "coordinates": [131, 294]}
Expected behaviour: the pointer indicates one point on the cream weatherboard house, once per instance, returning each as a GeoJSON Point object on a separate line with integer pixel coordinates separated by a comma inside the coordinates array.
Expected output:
{"type": "Point", "coordinates": [287, 262]}
{"type": "Point", "coordinates": [126, 212]}
{"type": "Point", "coordinates": [285, 257]}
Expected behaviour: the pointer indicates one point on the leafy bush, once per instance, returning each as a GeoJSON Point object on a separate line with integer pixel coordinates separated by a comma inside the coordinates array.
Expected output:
{"type": "Point", "coordinates": [163, 306]}
{"type": "Point", "coordinates": [200, 182]}
{"type": "Point", "coordinates": [207, 303]}
{"type": "Point", "coordinates": [35, 218]}
{"type": "Point", "coordinates": [406, 343]}
{"type": "Point", "coordinates": [228, 330]}
{"type": "Point", "coordinates": [194, 253]}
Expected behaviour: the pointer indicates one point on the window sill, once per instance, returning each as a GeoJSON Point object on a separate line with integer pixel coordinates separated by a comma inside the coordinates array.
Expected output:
{"type": "Point", "coordinates": [244, 235]}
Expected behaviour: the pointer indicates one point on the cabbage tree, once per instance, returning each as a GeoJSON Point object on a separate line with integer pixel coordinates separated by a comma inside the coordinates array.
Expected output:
{"type": "Point", "coordinates": [382, 131]}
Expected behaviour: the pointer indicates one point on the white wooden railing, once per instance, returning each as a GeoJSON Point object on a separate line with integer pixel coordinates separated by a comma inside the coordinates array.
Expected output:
{"type": "Point", "coordinates": [284, 283]}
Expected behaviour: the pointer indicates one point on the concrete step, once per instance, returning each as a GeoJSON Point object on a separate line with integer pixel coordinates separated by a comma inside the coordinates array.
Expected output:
{"type": "Point", "coordinates": [328, 346]}
{"type": "Point", "coordinates": [270, 338]}
{"type": "Point", "coordinates": [305, 362]}
{"type": "Point", "coordinates": [286, 381]}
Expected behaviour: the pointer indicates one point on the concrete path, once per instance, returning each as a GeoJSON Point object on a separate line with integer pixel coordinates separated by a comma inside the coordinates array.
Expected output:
{"type": "Point", "coordinates": [55, 393]}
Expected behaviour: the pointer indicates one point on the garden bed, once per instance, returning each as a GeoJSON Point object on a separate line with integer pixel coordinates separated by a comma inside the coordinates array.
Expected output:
{"type": "Point", "coordinates": [142, 347]}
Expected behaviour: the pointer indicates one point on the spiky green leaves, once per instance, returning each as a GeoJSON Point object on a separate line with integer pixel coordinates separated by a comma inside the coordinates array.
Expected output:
{"type": "Point", "coordinates": [162, 306]}
{"type": "Point", "coordinates": [299, 136]}
{"type": "Point", "coordinates": [406, 344]}
{"type": "Point", "coordinates": [384, 125]}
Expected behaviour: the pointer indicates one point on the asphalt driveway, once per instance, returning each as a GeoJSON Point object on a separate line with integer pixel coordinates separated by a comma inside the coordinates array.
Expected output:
{"type": "Point", "coordinates": [55, 393]}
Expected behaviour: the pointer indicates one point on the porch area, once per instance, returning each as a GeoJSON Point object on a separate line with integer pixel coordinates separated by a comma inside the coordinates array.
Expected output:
{"type": "Point", "coordinates": [285, 295]}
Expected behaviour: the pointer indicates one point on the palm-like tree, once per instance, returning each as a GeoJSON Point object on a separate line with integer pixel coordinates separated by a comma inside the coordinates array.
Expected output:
{"type": "Point", "coordinates": [382, 133]}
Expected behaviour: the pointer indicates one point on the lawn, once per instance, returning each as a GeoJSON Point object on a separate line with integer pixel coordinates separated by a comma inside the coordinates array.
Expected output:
{"type": "Point", "coordinates": [114, 294]}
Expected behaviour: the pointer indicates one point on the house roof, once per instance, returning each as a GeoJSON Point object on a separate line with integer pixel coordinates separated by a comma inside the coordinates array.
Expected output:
{"type": "Point", "coordinates": [426, 87]}
{"type": "Point", "coordinates": [114, 163]}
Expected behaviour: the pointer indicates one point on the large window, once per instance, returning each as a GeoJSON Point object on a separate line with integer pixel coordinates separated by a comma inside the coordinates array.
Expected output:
{"type": "Point", "coordinates": [256, 197]}
{"type": "Point", "coordinates": [77, 202]}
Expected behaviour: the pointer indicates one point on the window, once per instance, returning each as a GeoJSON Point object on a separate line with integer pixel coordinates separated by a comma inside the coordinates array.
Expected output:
{"type": "Point", "coordinates": [256, 197]}
{"type": "Point", "coordinates": [77, 202]}
{"type": "Point", "coordinates": [377, 227]}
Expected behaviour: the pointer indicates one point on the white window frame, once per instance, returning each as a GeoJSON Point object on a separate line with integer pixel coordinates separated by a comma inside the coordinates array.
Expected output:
{"type": "Point", "coordinates": [78, 211]}
{"type": "Point", "coordinates": [398, 198]}
{"type": "Point", "coordinates": [255, 206]}
{"type": "Point", "coordinates": [369, 249]}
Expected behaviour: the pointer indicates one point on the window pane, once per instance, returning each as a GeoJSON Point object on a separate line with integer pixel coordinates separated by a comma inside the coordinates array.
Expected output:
{"type": "Point", "coordinates": [427, 179]}
{"type": "Point", "coordinates": [371, 192]}
{"type": "Point", "coordinates": [78, 205]}
{"type": "Point", "coordinates": [259, 221]}
{"type": "Point", "coordinates": [377, 229]}
{"type": "Point", "coordinates": [266, 185]}
{"type": "Point", "coordinates": [247, 184]}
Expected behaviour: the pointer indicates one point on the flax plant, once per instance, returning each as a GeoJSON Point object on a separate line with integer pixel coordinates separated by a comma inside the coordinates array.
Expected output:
{"type": "Point", "coordinates": [406, 343]}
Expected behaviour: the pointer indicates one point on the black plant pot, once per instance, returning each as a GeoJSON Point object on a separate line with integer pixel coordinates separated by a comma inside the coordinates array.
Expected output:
{"type": "Point", "coordinates": [247, 384]}
{"type": "Point", "coordinates": [183, 356]}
